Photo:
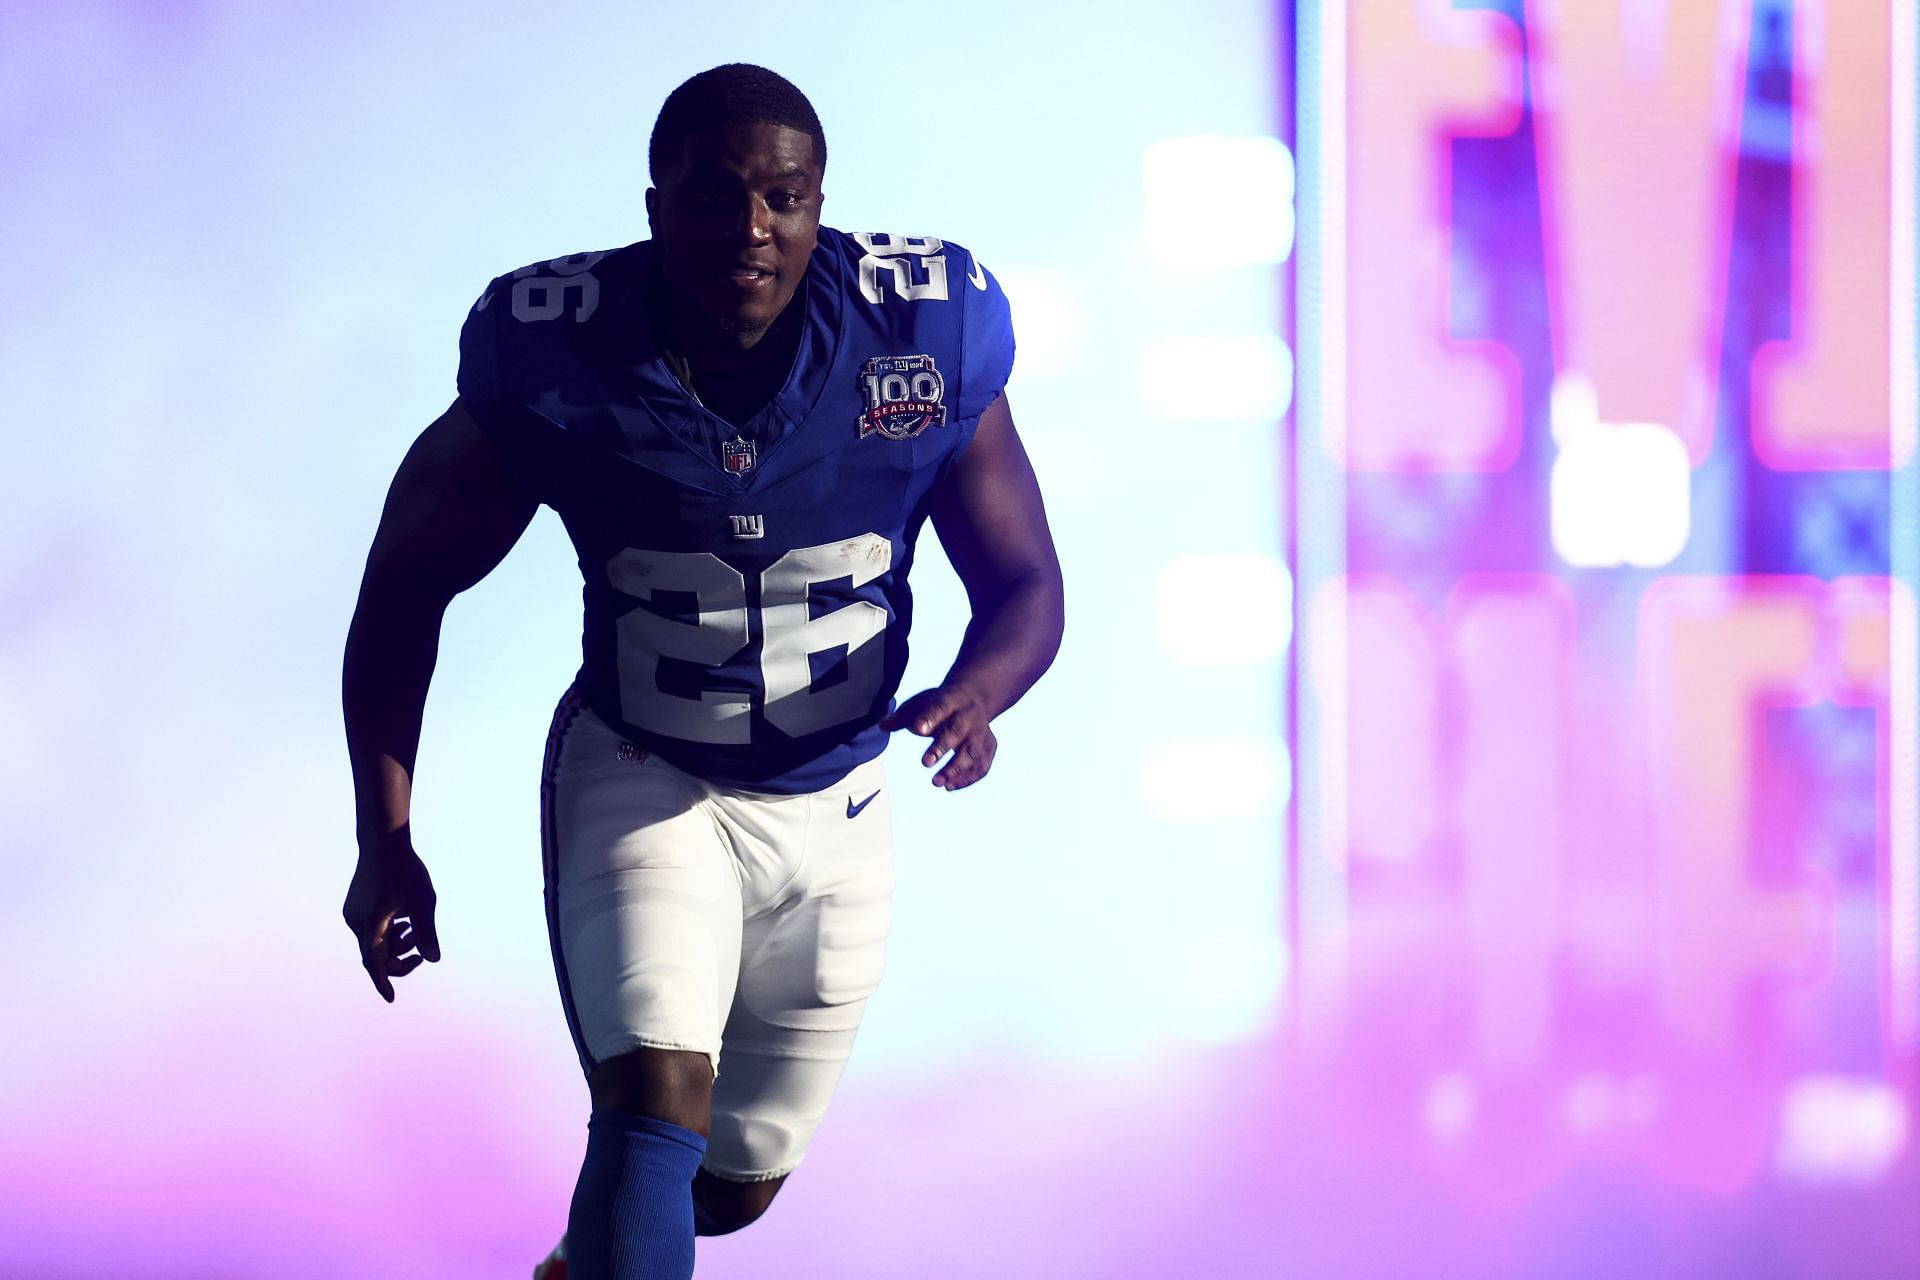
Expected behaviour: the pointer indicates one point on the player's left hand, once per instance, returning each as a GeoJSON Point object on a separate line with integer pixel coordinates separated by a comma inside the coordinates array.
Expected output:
{"type": "Point", "coordinates": [956, 720]}
{"type": "Point", "coordinates": [389, 907]}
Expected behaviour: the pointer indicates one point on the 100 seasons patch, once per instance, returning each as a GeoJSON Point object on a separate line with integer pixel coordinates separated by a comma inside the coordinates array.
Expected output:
{"type": "Point", "coordinates": [904, 396]}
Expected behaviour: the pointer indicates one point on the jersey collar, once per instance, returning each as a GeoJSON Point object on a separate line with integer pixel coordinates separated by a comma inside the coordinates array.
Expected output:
{"type": "Point", "coordinates": [650, 395]}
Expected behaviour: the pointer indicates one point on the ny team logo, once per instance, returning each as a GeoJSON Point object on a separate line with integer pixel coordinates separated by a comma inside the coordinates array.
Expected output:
{"type": "Point", "coordinates": [903, 395]}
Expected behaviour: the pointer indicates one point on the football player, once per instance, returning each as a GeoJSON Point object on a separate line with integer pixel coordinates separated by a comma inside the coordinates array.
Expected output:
{"type": "Point", "coordinates": [743, 423]}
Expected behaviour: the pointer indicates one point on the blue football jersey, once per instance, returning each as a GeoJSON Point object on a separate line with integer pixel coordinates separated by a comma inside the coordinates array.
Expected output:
{"type": "Point", "coordinates": [747, 607]}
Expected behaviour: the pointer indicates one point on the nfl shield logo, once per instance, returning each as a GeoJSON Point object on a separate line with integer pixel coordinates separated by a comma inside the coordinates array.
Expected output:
{"type": "Point", "coordinates": [737, 455]}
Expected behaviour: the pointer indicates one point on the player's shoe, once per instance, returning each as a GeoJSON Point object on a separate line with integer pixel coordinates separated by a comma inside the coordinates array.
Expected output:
{"type": "Point", "coordinates": [554, 1265]}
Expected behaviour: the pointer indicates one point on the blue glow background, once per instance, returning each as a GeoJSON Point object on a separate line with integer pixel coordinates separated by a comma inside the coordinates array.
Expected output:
{"type": "Point", "coordinates": [242, 241]}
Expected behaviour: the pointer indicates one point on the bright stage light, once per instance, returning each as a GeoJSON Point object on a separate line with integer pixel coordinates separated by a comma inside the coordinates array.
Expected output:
{"type": "Point", "coordinates": [1219, 202]}
{"type": "Point", "coordinates": [1225, 610]}
{"type": "Point", "coordinates": [1838, 1128]}
{"type": "Point", "coordinates": [1621, 494]}
{"type": "Point", "coordinates": [1237, 377]}
{"type": "Point", "coordinates": [1206, 778]}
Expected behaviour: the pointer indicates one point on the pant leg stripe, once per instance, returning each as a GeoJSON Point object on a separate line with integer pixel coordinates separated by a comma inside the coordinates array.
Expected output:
{"type": "Point", "coordinates": [572, 703]}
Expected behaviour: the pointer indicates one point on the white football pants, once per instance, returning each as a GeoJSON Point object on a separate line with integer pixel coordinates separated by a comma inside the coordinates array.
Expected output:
{"type": "Point", "coordinates": [746, 926]}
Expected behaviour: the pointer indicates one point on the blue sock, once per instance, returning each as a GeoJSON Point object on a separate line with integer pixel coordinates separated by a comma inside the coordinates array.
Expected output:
{"type": "Point", "coordinates": [632, 1214]}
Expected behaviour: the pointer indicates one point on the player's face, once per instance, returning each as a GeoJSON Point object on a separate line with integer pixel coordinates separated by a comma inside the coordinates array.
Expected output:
{"type": "Point", "coordinates": [736, 220]}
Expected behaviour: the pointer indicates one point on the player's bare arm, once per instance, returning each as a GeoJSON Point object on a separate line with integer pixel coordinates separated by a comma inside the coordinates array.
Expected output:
{"type": "Point", "coordinates": [451, 515]}
{"type": "Point", "coordinates": [993, 525]}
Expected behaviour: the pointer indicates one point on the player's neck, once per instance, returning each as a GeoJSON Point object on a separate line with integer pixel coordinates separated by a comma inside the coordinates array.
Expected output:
{"type": "Point", "coordinates": [693, 335]}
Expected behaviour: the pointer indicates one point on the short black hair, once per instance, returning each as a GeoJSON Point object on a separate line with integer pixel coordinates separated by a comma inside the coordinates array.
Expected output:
{"type": "Point", "coordinates": [737, 93]}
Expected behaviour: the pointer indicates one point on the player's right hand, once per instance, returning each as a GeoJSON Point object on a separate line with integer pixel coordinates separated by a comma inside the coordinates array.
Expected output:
{"type": "Point", "coordinates": [389, 907]}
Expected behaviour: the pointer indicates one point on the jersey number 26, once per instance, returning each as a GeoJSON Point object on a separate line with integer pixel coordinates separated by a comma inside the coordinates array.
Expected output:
{"type": "Point", "coordinates": [790, 639]}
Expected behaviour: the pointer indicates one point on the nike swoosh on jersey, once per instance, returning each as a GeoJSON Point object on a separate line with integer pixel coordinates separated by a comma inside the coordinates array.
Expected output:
{"type": "Point", "coordinates": [976, 273]}
{"type": "Point", "coordinates": [853, 810]}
